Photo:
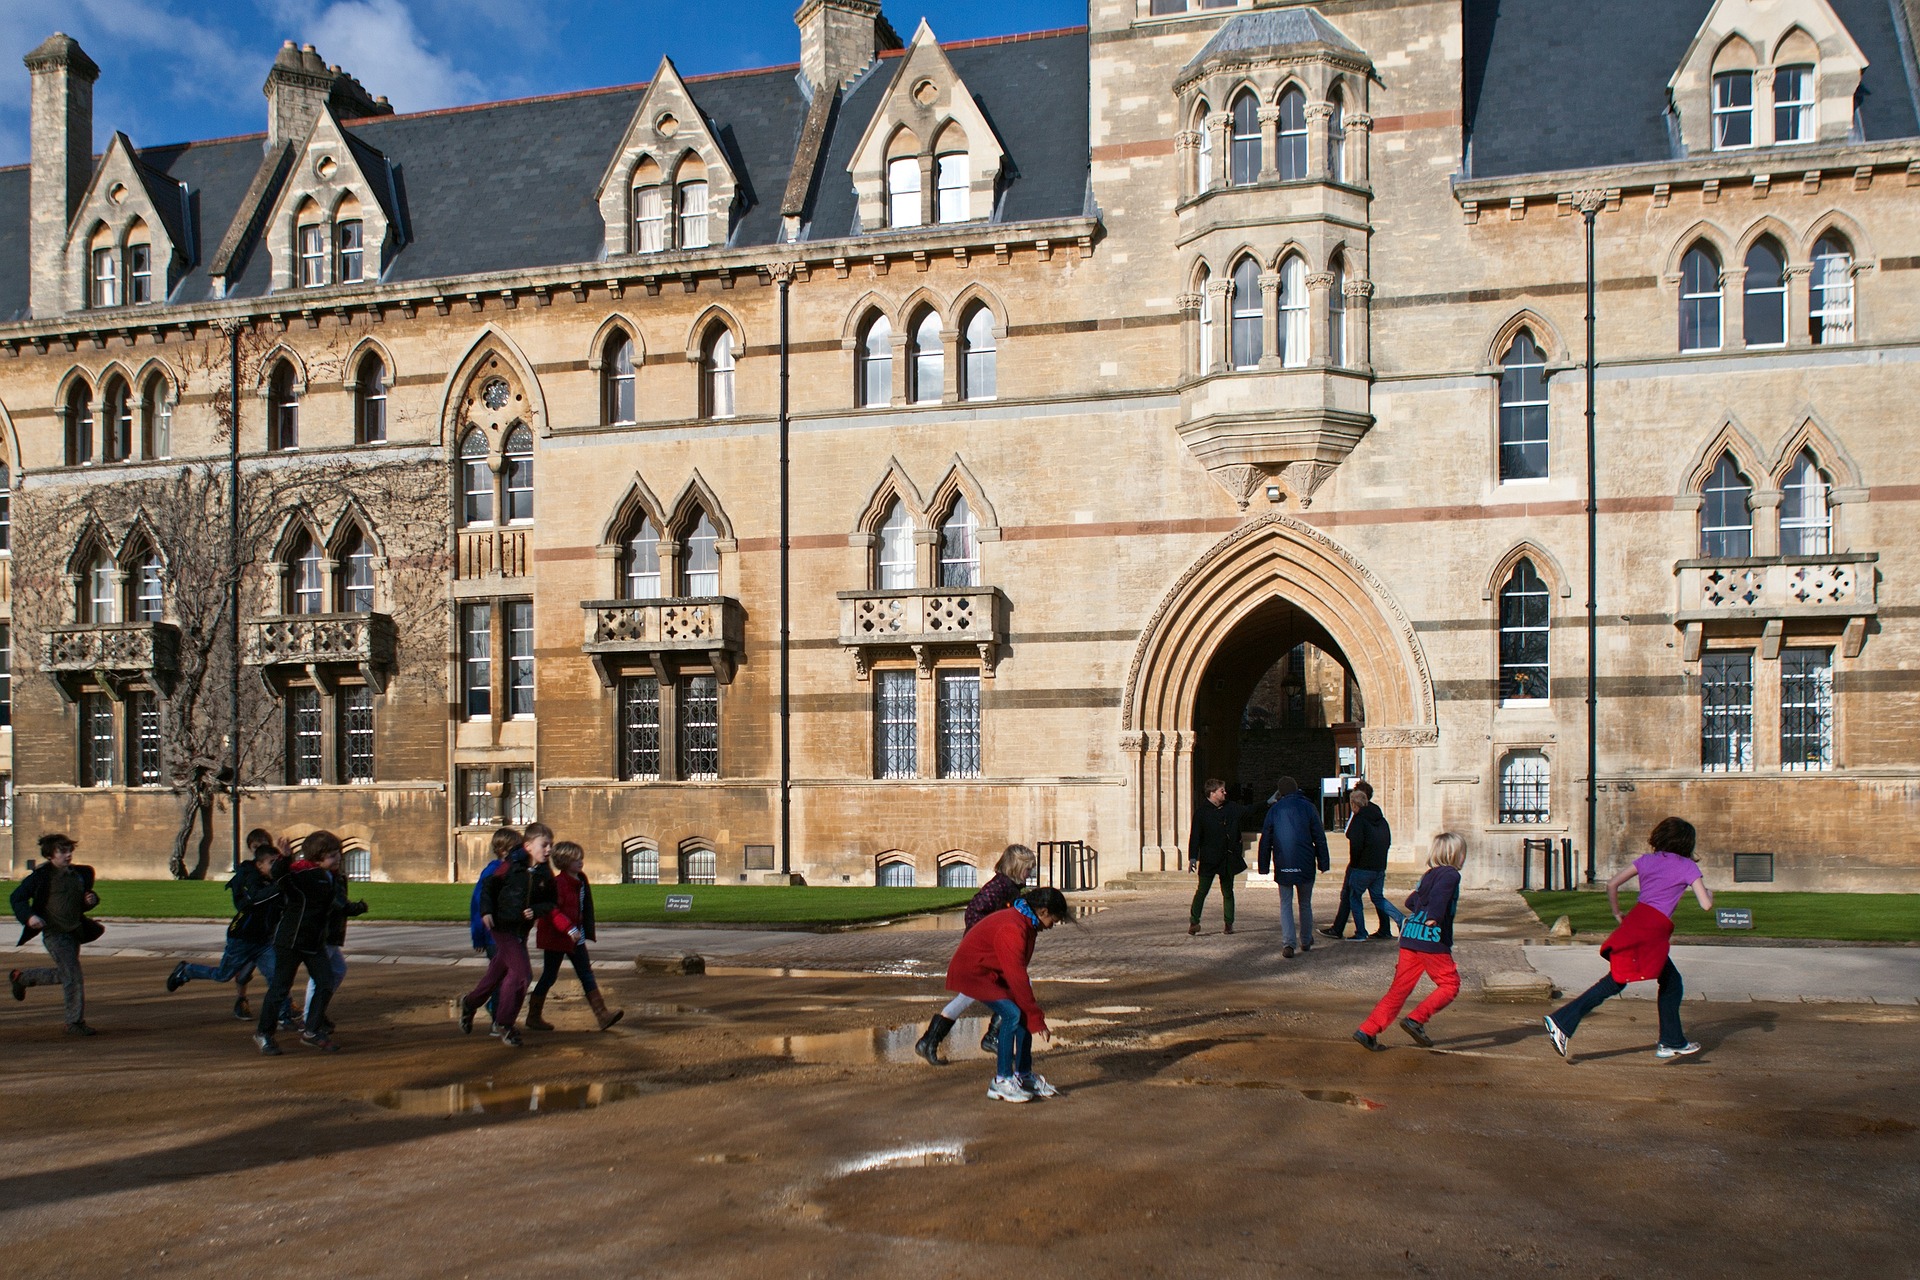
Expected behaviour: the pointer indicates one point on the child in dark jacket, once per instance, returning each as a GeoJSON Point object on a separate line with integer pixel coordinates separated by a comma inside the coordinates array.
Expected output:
{"type": "Point", "coordinates": [1008, 883]}
{"type": "Point", "coordinates": [563, 935]}
{"type": "Point", "coordinates": [306, 897]}
{"type": "Point", "coordinates": [511, 899]}
{"type": "Point", "coordinates": [991, 967]}
{"type": "Point", "coordinates": [249, 933]}
{"type": "Point", "coordinates": [1426, 947]}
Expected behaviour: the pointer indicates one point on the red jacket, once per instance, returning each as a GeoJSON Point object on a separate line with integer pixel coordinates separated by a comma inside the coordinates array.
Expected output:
{"type": "Point", "coordinates": [552, 931]}
{"type": "Point", "coordinates": [991, 964]}
{"type": "Point", "coordinates": [1637, 950]}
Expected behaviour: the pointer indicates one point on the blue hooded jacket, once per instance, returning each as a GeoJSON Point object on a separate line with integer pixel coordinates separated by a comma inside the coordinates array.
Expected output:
{"type": "Point", "coordinates": [1292, 839]}
{"type": "Point", "coordinates": [482, 938]}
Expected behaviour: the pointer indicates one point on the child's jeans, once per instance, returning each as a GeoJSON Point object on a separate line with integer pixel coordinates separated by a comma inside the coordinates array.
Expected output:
{"type": "Point", "coordinates": [1016, 1042]}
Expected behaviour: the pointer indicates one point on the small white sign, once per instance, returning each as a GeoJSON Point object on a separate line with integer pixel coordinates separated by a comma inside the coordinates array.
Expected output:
{"type": "Point", "coordinates": [679, 902]}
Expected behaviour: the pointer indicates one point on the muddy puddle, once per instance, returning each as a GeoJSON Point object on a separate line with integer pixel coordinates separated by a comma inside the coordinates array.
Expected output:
{"type": "Point", "coordinates": [923, 1155]}
{"type": "Point", "coordinates": [1338, 1097]}
{"type": "Point", "coordinates": [875, 1044]}
{"type": "Point", "coordinates": [491, 1099]}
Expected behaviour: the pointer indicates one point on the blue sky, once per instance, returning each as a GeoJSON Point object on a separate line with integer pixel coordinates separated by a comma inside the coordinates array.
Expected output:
{"type": "Point", "coordinates": [173, 70]}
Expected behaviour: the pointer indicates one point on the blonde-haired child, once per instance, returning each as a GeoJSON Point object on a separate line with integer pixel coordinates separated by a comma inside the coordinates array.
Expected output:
{"type": "Point", "coordinates": [1426, 947]}
{"type": "Point", "coordinates": [1010, 875]}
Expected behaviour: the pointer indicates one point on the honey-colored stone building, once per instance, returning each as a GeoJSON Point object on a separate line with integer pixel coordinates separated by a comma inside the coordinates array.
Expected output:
{"type": "Point", "coordinates": [1127, 370]}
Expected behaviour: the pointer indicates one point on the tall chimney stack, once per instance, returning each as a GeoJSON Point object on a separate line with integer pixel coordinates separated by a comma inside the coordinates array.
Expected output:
{"type": "Point", "coordinates": [839, 38]}
{"type": "Point", "coordinates": [300, 83]}
{"type": "Point", "coordinates": [62, 144]}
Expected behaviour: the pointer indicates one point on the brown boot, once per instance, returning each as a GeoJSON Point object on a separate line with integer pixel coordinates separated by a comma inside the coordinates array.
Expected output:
{"type": "Point", "coordinates": [534, 1021]}
{"type": "Point", "coordinates": [606, 1017]}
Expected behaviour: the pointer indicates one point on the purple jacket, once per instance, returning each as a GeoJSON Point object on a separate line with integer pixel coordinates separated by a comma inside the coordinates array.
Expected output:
{"type": "Point", "coordinates": [998, 894]}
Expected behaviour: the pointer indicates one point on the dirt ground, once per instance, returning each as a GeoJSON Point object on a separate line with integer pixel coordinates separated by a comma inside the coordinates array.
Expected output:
{"type": "Point", "coordinates": [749, 1127]}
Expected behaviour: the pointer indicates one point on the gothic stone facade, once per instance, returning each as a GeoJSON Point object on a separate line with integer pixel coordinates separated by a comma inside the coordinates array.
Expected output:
{"type": "Point", "coordinates": [1123, 360]}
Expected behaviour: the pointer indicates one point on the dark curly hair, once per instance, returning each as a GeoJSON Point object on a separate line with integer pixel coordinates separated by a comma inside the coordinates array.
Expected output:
{"type": "Point", "coordinates": [1673, 835]}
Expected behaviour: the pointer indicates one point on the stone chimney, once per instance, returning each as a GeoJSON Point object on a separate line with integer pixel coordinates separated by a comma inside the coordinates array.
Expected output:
{"type": "Point", "coordinates": [62, 144]}
{"type": "Point", "coordinates": [300, 83]}
{"type": "Point", "coordinates": [839, 38]}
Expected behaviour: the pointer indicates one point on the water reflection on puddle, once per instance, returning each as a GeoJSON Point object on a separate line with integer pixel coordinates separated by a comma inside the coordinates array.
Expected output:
{"type": "Point", "coordinates": [876, 1044]}
{"type": "Point", "coordinates": [926, 1155]}
{"type": "Point", "coordinates": [492, 1099]}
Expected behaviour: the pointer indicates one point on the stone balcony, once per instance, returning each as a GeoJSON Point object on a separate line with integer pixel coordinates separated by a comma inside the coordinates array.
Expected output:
{"type": "Point", "coordinates": [1249, 427]}
{"type": "Point", "coordinates": [317, 641]}
{"type": "Point", "coordinates": [665, 633]}
{"type": "Point", "coordinates": [491, 552]}
{"type": "Point", "coordinates": [1768, 594]}
{"type": "Point", "coordinates": [111, 654]}
{"type": "Point", "coordinates": [923, 621]}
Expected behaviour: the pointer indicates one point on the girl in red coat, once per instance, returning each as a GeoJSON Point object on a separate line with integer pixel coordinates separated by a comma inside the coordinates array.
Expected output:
{"type": "Point", "coordinates": [1009, 879]}
{"type": "Point", "coordinates": [563, 934]}
{"type": "Point", "coordinates": [991, 966]}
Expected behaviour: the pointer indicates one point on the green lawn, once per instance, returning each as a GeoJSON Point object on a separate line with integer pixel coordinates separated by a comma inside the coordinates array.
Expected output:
{"type": "Point", "coordinates": [1839, 917]}
{"type": "Point", "coordinates": [612, 903]}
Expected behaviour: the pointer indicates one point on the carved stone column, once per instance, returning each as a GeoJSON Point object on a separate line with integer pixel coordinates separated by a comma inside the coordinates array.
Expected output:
{"type": "Point", "coordinates": [1733, 308]}
{"type": "Point", "coordinates": [1269, 320]}
{"type": "Point", "coordinates": [1319, 312]}
{"type": "Point", "coordinates": [1799, 305]}
{"type": "Point", "coordinates": [1220, 126]}
{"type": "Point", "coordinates": [1186, 148]}
{"type": "Point", "coordinates": [1360, 325]}
{"type": "Point", "coordinates": [1269, 144]}
{"type": "Point", "coordinates": [1359, 134]}
{"type": "Point", "coordinates": [1318, 113]}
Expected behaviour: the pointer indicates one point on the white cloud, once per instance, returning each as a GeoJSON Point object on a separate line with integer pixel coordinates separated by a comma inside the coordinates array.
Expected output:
{"type": "Point", "coordinates": [378, 43]}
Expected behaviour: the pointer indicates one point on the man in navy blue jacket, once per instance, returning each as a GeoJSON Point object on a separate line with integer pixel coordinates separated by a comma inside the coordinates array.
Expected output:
{"type": "Point", "coordinates": [1294, 843]}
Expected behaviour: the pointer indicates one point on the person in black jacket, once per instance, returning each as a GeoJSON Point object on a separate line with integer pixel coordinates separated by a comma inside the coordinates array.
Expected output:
{"type": "Point", "coordinates": [53, 902]}
{"type": "Point", "coordinates": [1214, 851]}
{"type": "Point", "coordinates": [342, 911]}
{"type": "Point", "coordinates": [249, 933]}
{"type": "Point", "coordinates": [306, 896]}
{"type": "Point", "coordinates": [1360, 797]}
{"type": "Point", "coordinates": [1369, 839]}
{"type": "Point", "coordinates": [518, 892]}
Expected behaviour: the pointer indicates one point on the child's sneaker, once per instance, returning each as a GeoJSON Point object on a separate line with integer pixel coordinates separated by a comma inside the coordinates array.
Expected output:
{"type": "Point", "coordinates": [1418, 1032]}
{"type": "Point", "coordinates": [1368, 1041]}
{"type": "Point", "coordinates": [1037, 1086]}
{"type": "Point", "coordinates": [1686, 1050]}
{"type": "Point", "coordinates": [1559, 1036]}
{"type": "Point", "coordinates": [1007, 1089]}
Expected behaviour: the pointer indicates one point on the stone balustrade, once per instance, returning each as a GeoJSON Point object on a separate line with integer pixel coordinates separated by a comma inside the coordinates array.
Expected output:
{"type": "Point", "coordinates": [112, 647]}
{"type": "Point", "coordinates": [1775, 592]}
{"type": "Point", "coordinates": [363, 640]}
{"type": "Point", "coordinates": [924, 621]}
{"type": "Point", "coordinates": [665, 633]}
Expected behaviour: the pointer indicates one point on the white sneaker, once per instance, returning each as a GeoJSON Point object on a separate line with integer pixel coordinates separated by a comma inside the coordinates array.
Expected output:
{"type": "Point", "coordinates": [1007, 1089]}
{"type": "Point", "coordinates": [495, 1029]}
{"type": "Point", "coordinates": [1686, 1050]}
{"type": "Point", "coordinates": [1037, 1086]}
{"type": "Point", "coordinates": [1559, 1036]}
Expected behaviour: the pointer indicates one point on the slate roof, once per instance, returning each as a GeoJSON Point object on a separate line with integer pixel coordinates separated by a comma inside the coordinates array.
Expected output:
{"type": "Point", "coordinates": [1552, 85]}
{"type": "Point", "coordinates": [510, 185]}
{"type": "Point", "coordinates": [1271, 30]}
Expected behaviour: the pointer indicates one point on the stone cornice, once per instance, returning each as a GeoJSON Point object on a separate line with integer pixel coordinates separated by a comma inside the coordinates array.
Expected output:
{"type": "Point", "coordinates": [1828, 163]}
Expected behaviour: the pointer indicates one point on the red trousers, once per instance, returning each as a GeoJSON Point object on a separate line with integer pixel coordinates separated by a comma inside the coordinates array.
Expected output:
{"type": "Point", "coordinates": [1435, 965]}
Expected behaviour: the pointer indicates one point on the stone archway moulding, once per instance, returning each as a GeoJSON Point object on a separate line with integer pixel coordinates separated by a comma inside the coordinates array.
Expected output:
{"type": "Point", "coordinates": [1273, 558]}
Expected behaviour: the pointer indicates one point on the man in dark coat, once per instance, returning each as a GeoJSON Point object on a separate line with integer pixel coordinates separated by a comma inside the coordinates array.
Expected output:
{"type": "Point", "coordinates": [53, 902]}
{"type": "Point", "coordinates": [1213, 850]}
{"type": "Point", "coordinates": [1370, 839]}
{"type": "Point", "coordinates": [1295, 843]}
{"type": "Point", "coordinates": [1361, 838]}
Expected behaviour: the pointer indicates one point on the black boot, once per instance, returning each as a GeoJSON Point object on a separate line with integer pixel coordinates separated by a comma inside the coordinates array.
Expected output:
{"type": "Point", "coordinates": [928, 1046]}
{"type": "Point", "coordinates": [990, 1042]}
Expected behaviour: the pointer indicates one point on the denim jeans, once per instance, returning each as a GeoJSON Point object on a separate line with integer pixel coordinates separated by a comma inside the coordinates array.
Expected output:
{"type": "Point", "coordinates": [1340, 917]}
{"type": "Point", "coordinates": [1288, 892]}
{"type": "Point", "coordinates": [65, 950]}
{"type": "Point", "coordinates": [237, 963]}
{"type": "Point", "coordinates": [550, 969]}
{"type": "Point", "coordinates": [1362, 885]}
{"type": "Point", "coordinates": [286, 965]}
{"type": "Point", "coordinates": [1671, 990]}
{"type": "Point", "coordinates": [336, 961]}
{"type": "Point", "coordinates": [1016, 1042]}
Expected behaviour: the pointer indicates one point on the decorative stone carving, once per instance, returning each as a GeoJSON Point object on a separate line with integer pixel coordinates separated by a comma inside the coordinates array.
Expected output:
{"type": "Point", "coordinates": [1241, 482]}
{"type": "Point", "coordinates": [1303, 478]}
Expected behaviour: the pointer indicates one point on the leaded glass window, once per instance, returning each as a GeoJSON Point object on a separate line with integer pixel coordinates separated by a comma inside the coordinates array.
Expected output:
{"type": "Point", "coordinates": [519, 658]}
{"type": "Point", "coordinates": [1525, 617]}
{"type": "Point", "coordinates": [1726, 711]}
{"type": "Point", "coordinates": [639, 728]}
{"type": "Point", "coordinates": [518, 473]}
{"type": "Point", "coordinates": [96, 740]}
{"type": "Point", "coordinates": [643, 864]}
{"type": "Point", "coordinates": [1526, 788]}
{"type": "Point", "coordinates": [476, 659]}
{"type": "Point", "coordinates": [700, 728]}
{"type": "Point", "coordinates": [959, 875]}
{"type": "Point", "coordinates": [699, 866]}
{"type": "Point", "coordinates": [356, 733]}
{"type": "Point", "coordinates": [477, 808]}
{"type": "Point", "coordinates": [304, 768]}
{"type": "Point", "coordinates": [894, 875]}
{"type": "Point", "coordinates": [518, 796]}
{"type": "Point", "coordinates": [1523, 411]}
{"type": "Point", "coordinates": [1806, 709]}
{"type": "Point", "coordinates": [957, 723]}
{"type": "Point", "coordinates": [143, 739]}
{"type": "Point", "coordinates": [896, 724]}
{"type": "Point", "coordinates": [476, 480]}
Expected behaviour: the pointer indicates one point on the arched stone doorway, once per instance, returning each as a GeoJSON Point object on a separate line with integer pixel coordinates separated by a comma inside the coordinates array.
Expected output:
{"type": "Point", "coordinates": [1273, 580]}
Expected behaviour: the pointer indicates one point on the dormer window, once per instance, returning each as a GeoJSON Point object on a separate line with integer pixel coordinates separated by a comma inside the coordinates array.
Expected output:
{"type": "Point", "coordinates": [140, 274]}
{"type": "Point", "coordinates": [1793, 104]}
{"type": "Point", "coordinates": [649, 220]}
{"type": "Point", "coordinates": [313, 255]}
{"type": "Point", "coordinates": [903, 191]}
{"type": "Point", "coordinates": [953, 187]}
{"type": "Point", "coordinates": [1732, 110]}
{"type": "Point", "coordinates": [693, 215]}
{"type": "Point", "coordinates": [350, 236]}
{"type": "Point", "coordinates": [106, 278]}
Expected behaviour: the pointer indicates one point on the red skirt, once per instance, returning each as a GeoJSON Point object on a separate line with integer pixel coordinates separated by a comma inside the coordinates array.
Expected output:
{"type": "Point", "coordinates": [1637, 950]}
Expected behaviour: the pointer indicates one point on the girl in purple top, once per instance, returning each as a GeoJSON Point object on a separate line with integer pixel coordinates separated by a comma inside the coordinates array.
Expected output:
{"type": "Point", "coordinates": [1639, 948]}
{"type": "Point", "coordinates": [1008, 883]}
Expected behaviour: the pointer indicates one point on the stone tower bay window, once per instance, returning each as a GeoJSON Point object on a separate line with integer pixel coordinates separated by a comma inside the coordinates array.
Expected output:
{"type": "Point", "coordinates": [1289, 118]}
{"type": "Point", "coordinates": [1336, 116]}
{"type": "Point", "coordinates": [1244, 156]}
{"type": "Point", "coordinates": [1295, 319]}
{"type": "Point", "coordinates": [1337, 313]}
{"type": "Point", "coordinates": [1247, 315]}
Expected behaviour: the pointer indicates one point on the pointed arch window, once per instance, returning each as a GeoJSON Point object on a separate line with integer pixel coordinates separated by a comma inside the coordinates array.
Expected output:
{"type": "Point", "coordinates": [640, 563]}
{"type": "Point", "coordinates": [517, 474]}
{"type": "Point", "coordinates": [1290, 142]}
{"type": "Point", "coordinates": [1296, 317]}
{"type": "Point", "coordinates": [1337, 315]}
{"type": "Point", "coordinates": [1526, 614]}
{"type": "Point", "coordinates": [1245, 148]}
{"type": "Point", "coordinates": [1700, 300]}
{"type": "Point", "coordinates": [874, 376]}
{"type": "Point", "coordinates": [370, 409]}
{"type": "Point", "coordinates": [1246, 314]}
{"type": "Point", "coordinates": [116, 428]}
{"type": "Point", "coordinates": [1766, 294]}
{"type": "Point", "coordinates": [953, 187]}
{"type": "Point", "coordinates": [617, 404]}
{"type": "Point", "coordinates": [694, 233]}
{"type": "Point", "coordinates": [1337, 137]}
{"type": "Point", "coordinates": [979, 377]}
{"type": "Point", "coordinates": [903, 191]}
{"type": "Point", "coordinates": [1792, 104]}
{"type": "Point", "coordinates": [928, 361]}
{"type": "Point", "coordinates": [893, 566]}
{"type": "Point", "coordinates": [1732, 110]}
{"type": "Point", "coordinates": [106, 277]}
{"type": "Point", "coordinates": [702, 572]}
{"type": "Point", "coordinates": [283, 408]}
{"type": "Point", "coordinates": [79, 425]}
{"type": "Point", "coordinates": [1726, 515]}
{"type": "Point", "coordinates": [476, 479]}
{"type": "Point", "coordinates": [1203, 172]}
{"type": "Point", "coordinates": [1806, 511]}
{"type": "Point", "coordinates": [304, 594]}
{"type": "Point", "coordinates": [156, 420]}
{"type": "Point", "coordinates": [1523, 411]}
{"type": "Point", "coordinates": [356, 574]}
{"type": "Point", "coordinates": [1203, 346]}
{"type": "Point", "coordinates": [149, 587]}
{"type": "Point", "coordinates": [1830, 313]}
{"type": "Point", "coordinates": [716, 374]}
{"type": "Point", "coordinates": [140, 274]}
{"type": "Point", "coordinates": [350, 239]}
{"type": "Point", "coordinates": [100, 599]}
{"type": "Point", "coordinates": [6, 508]}
{"type": "Point", "coordinates": [960, 546]}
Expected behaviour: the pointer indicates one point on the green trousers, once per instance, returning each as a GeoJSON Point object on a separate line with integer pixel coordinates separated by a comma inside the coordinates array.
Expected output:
{"type": "Point", "coordinates": [1226, 894]}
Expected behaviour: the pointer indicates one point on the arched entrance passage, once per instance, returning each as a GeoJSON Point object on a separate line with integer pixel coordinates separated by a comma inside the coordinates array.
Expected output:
{"type": "Point", "coordinates": [1274, 572]}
